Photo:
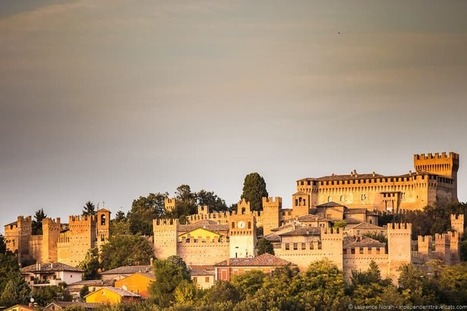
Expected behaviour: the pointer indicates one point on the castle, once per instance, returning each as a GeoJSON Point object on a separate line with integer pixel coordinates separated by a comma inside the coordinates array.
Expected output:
{"type": "Point", "coordinates": [332, 217]}
{"type": "Point", "coordinates": [434, 180]}
{"type": "Point", "coordinates": [65, 243]}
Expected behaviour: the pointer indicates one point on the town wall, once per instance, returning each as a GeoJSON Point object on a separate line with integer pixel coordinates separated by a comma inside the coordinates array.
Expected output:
{"type": "Point", "coordinates": [203, 251]}
{"type": "Point", "coordinates": [359, 259]}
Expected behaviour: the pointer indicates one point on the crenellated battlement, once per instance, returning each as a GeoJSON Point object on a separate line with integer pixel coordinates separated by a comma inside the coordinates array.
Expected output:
{"type": "Point", "coordinates": [221, 241]}
{"type": "Point", "coordinates": [399, 228]}
{"type": "Point", "coordinates": [437, 155]}
{"type": "Point", "coordinates": [77, 219]}
{"type": "Point", "coordinates": [50, 221]}
{"type": "Point", "coordinates": [270, 200]}
{"type": "Point", "coordinates": [165, 222]}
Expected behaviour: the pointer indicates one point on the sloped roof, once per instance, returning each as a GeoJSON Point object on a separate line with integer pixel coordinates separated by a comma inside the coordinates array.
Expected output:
{"type": "Point", "coordinates": [299, 193]}
{"type": "Point", "coordinates": [350, 176]}
{"type": "Point", "coordinates": [49, 267]}
{"type": "Point", "coordinates": [356, 211]}
{"type": "Point", "coordinates": [65, 304]}
{"type": "Point", "coordinates": [205, 270]}
{"type": "Point", "coordinates": [261, 260]}
{"type": "Point", "coordinates": [303, 231]}
{"type": "Point", "coordinates": [362, 241]}
{"type": "Point", "coordinates": [119, 291]}
{"type": "Point", "coordinates": [129, 270]}
{"type": "Point", "coordinates": [330, 204]}
{"type": "Point", "coordinates": [272, 237]}
{"type": "Point", "coordinates": [366, 225]}
{"type": "Point", "coordinates": [311, 218]}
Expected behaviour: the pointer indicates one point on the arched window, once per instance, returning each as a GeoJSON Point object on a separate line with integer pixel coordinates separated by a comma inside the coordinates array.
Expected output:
{"type": "Point", "coordinates": [102, 219]}
{"type": "Point", "coordinates": [249, 225]}
{"type": "Point", "coordinates": [233, 225]}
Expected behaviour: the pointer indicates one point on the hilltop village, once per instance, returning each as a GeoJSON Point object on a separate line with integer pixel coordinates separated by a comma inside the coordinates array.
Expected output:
{"type": "Point", "coordinates": [331, 217]}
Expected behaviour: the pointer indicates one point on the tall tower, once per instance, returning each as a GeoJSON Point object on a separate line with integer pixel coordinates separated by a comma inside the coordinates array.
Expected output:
{"type": "Point", "coordinates": [242, 231]}
{"type": "Point", "coordinates": [399, 247]}
{"type": "Point", "coordinates": [103, 227]}
{"type": "Point", "coordinates": [165, 237]}
{"type": "Point", "coordinates": [443, 164]}
{"type": "Point", "coordinates": [271, 214]}
{"type": "Point", "coordinates": [50, 234]}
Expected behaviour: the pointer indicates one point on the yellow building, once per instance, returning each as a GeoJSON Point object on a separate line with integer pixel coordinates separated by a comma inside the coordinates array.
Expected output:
{"type": "Point", "coordinates": [111, 295]}
{"type": "Point", "coordinates": [137, 283]}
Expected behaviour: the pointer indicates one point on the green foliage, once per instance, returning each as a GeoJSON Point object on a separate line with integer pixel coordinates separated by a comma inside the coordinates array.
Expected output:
{"type": "Point", "coordinates": [126, 250]}
{"type": "Point", "coordinates": [367, 287]}
{"type": "Point", "coordinates": [169, 273]}
{"type": "Point", "coordinates": [84, 291]}
{"type": "Point", "coordinates": [144, 210]}
{"type": "Point", "coordinates": [264, 246]}
{"type": "Point", "coordinates": [254, 189]}
{"type": "Point", "coordinates": [340, 224]}
{"type": "Point", "coordinates": [417, 286]}
{"type": "Point", "coordinates": [89, 209]}
{"type": "Point", "coordinates": [433, 219]}
{"type": "Point", "coordinates": [37, 221]}
{"type": "Point", "coordinates": [2, 245]}
{"type": "Point", "coordinates": [222, 292]}
{"type": "Point", "coordinates": [210, 199]}
{"type": "Point", "coordinates": [13, 288]}
{"type": "Point", "coordinates": [91, 265]}
{"type": "Point", "coordinates": [248, 283]}
{"type": "Point", "coordinates": [46, 294]}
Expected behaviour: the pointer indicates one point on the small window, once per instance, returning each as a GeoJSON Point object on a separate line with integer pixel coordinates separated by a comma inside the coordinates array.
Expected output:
{"type": "Point", "coordinates": [206, 279]}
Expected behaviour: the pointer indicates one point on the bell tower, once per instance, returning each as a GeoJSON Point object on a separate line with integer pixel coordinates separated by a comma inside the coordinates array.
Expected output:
{"type": "Point", "coordinates": [242, 231]}
{"type": "Point", "coordinates": [103, 227]}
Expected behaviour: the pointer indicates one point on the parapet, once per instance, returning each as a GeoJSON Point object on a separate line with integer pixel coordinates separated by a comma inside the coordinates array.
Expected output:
{"type": "Point", "coordinates": [165, 222]}
{"type": "Point", "coordinates": [78, 218]}
{"type": "Point", "coordinates": [267, 200]}
{"type": "Point", "coordinates": [437, 155]}
{"type": "Point", "coordinates": [400, 227]}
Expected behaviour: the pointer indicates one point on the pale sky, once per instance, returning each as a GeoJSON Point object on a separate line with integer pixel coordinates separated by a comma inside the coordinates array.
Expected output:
{"type": "Point", "coordinates": [111, 100]}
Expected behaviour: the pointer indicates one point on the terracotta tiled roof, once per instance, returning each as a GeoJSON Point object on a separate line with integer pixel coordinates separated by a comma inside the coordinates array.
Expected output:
{"type": "Point", "coordinates": [65, 304]}
{"type": "Point", "coordinates": [312, 218]}
{"type": "Point", "coordinates": [196, 270]}
{"type": "Point", "coordinates": [303, 231]}
{"type": "Point", "coordinates": [129, 270]}
{"type": "Point", "coordinates": [300, 193]}
{"type": "Point", "coordinates": [118, 291]}
{"type": "Point", "coordinates": [362, 241]}
{"type": "Point", "coordinates": [261, 260]}
{"type": "Point", "coordinates": [366, 225]}
{"type": "Point", "coordinates": [272, 237]}
{"type": "Point", "coordinates": [49, 267]}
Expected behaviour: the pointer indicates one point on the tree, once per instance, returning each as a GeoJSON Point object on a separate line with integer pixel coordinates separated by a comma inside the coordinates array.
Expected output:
{"type": "Point", "coordinates": [91, 265]}
{"type": "Point", "coordinates": [264, 246]}
{"type": "Point", "coordinates": [144, 210]}
{"type": "Point", "coordinates": [169, 274]}
{"type": "Point", "coordinates": [367, 287]}
{"type": "Point", "coordinates": [211, 200]}
{"type": "Point", "coordinates": [417, 286]}
{"type": "Point", "coordinates": [89, 209]}
{"type": "Point", "coordinates": [126, 250]}
{"type": "Point", "coordinates": [254, 189]}
{"type": "Point", "coordinates": [84, 291]}
{"type": "Point", "coordinates": [37, 222]}
{"type": "Point", "coordinates": [13, 288]}
{"type": "Point", "coordinates": [248, 283]}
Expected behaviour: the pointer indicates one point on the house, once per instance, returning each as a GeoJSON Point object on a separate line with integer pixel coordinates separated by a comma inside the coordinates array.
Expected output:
{"type": "Point", "coordinates": [203, 276]}
{"type": "Point", "coordinates": [122, 272]}
{"type": "Point", "coordinates": [21, 308]}
{"type": "Point", "coordinates": [61, 305]}
{"type": "Point", "coordinates": [137, 283]}
{"type": "Point", "coordinates": [51, 273]}
{"type": "Point", "coordinates": [93, 285]}
{"type": "Point", "coordinates": [111, 295]}
{"type": "Point", "coordinates": [234, 266]}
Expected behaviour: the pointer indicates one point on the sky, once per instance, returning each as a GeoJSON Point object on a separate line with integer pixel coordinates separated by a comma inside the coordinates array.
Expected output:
{"type": "Point", "coordinates": [110, 100]}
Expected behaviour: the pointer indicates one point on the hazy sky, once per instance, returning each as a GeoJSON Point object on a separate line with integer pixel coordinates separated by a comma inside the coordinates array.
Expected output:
{"type": "Point", "coordinates": [110, 100]}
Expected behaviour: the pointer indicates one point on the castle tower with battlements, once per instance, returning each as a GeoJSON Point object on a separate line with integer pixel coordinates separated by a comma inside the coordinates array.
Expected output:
{"type": "Point", "coordinates": [165, 237]}
{"type": "Point", "coordinates": [400, 247]}
{"type": "Point", "coordinates": [434, 181]}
